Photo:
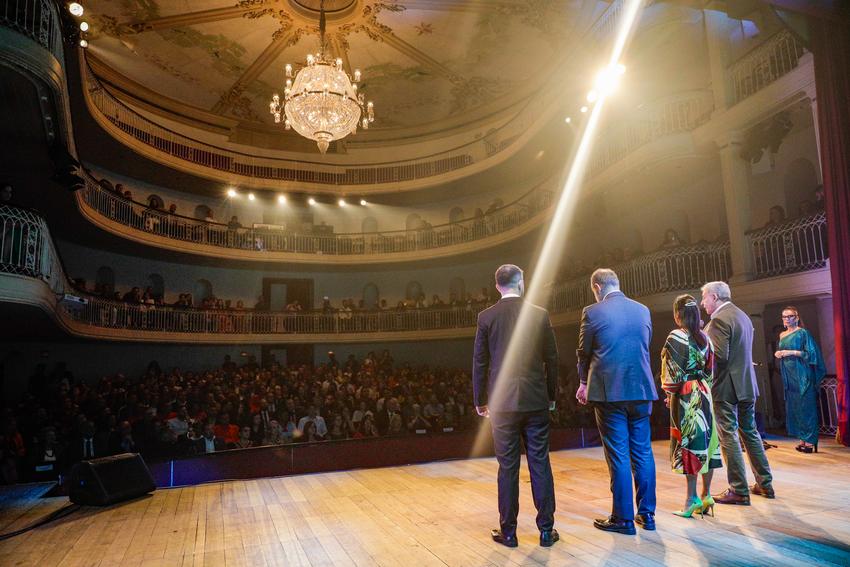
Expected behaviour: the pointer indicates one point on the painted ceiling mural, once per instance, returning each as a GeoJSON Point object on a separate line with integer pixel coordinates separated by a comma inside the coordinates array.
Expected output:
{"type": "Point", "coordinates": [423, 61]}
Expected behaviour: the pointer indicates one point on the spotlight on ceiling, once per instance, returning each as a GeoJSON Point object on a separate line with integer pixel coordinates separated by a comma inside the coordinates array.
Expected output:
{"type": "Point", "coordinates": [592, 96]}
{"type": "Point", "coordinates": [583, 109]}
{"type": "Point", "coordinates": [607, 80]}
{"type": "Point", "coordinates": [311, 201]}
{"type": "Point", "coordinates": [342, 203]}
{"type": "Point", "coordinates": [251, 197]}
{"type": "Point", "coordinates": [84, 43]}
{"type": "Point", "coordinates": [84, 26]}
{"type": "Point", "coordinates": [281, 199]}
{"type": "Point", "coordinates": [231, 192]}
{"type": "Point", "coordinates": [76, 9]}
{"type": "Point", "coordinates": [568, 119]}
{"type": "Point", "coordinates": [363, 202]}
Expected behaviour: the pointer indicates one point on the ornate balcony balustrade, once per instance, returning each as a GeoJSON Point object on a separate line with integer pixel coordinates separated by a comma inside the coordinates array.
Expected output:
{"type": "Point", "coordinates": [828, 406]}
{"type": "Point", "coordinates": [764, 64]}
{"type": "Point", "coordinates": [26, 248]}
{"type": "Point", "coordinates": [797, 245]}
{"type": "Point", "coordinates": [36, 19]}
{"type": "Point", "coordinates": [260, 241]}
{"type": "Point", "coordinates": [678, 114]}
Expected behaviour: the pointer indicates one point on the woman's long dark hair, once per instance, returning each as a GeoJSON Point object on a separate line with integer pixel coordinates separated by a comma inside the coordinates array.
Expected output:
{"type": "Point", "coordinates": [687, 309]}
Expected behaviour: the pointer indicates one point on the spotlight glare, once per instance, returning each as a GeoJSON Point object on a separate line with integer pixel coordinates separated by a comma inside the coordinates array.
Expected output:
{"type": "Point", "coordinates": [342, 203]}
{"type": "Point", "coordinates": [592, 96]}
{"type": "Point", "coordinates": [311, 201]}
{"type": "Point", "coordinates": [84, 26]}
{"type": "Point", "coordinates": [607, 80]}
{"type": "Point", "coordinates": [251, 197]}
{"type": "Point", "coordinates": [363, 202]}
{"type": "Point", "coordinates": [231, 192]}
{"type": "Point", "coordinates": [568, 119]}
{"type": "Point", "coordinates": [583, 109]}
{"type": "Point", "coordinates": [84, 43]}
{"type": "Point", "coordinates": [281, 199]}
{"type": "Point", "coordinates": [76, 9]}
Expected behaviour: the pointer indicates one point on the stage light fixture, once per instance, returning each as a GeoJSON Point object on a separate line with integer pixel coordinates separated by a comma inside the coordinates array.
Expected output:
{"type": "Point", "coordinates": [342, 203]}
{"type": "Point", "coordinates": [363, 202]}
{"type": "Point", "coordinates": [592, 96]}
{"type": "Point", "coordinates": [568, 119]}
{"type": "Point", "coordinates": [76, 9]}
{"type": "Point", "coordinates": [251, 197]}
{"type": "Point", "coordinates": [231, 192]}
{"type": "Point", "coordinates": [607, 80]}
{"type": "Point", "coordinates": [84, 43]}
{"type": "Point", "coordinates": [84, 26]}
{"type": "Point", "coordinates": [583, 109]}
{"type": "Point", "coordinates": [311, 201]}
{"type": "Point", "coordinates": [281, 199]}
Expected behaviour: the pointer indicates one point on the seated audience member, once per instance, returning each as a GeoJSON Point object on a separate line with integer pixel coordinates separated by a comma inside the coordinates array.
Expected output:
{"type": "Point", "coordinates": [227, 431]}
{"type": "Point", "coordinates": [244, 440]}
{"type": "Point", "coordinates": [671, 240]}
{"type": "Point", "coordinates": [209, 442]}
{"type": "Point", "coordinates": [321, 428]}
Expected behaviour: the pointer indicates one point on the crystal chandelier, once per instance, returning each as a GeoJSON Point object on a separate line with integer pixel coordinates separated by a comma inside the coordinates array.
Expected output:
{"type": "Point", "coordinates": [322, 103]}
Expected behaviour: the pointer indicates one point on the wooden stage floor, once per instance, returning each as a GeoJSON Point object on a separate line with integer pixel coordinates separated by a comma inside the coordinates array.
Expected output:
{"type": "Point", "coordinates": [439, 514]}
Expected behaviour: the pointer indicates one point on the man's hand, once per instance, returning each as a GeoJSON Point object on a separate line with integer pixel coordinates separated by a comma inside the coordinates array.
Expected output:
{"type": "Point", "coordinates": [483, 411]}
{"type": "Point", "coordinates": [581, 394]}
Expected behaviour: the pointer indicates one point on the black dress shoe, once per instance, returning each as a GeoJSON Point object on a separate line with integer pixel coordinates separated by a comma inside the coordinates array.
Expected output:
{"type": "Point", "coordinates": [646, 521]}
{"type": "Point", "coordinates": [549, 537]}
{"type": "Point", "coordinates": [612, 524]}
{"type": "Point", "coordinates": [507, 541]}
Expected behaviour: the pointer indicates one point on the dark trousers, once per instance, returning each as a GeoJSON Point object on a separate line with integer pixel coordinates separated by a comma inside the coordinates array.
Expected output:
{"type": "Point", "coordinates": [533, 429]}
{"type": "Point", "coordinates": [626, 440]}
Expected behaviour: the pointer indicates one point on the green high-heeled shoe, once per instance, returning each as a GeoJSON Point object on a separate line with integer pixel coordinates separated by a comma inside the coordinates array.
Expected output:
{"type": "Point", "coordinates": [708, 506]}
{"type": "Point", "coordinates": [695, 507]}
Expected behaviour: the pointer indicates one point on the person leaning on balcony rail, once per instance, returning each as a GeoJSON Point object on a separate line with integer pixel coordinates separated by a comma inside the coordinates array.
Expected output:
{"type": "Point", "coordinates": [803, 369]}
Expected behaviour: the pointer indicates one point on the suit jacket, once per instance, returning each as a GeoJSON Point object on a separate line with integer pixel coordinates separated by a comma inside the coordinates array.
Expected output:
{"type": "Point", "coordinates": [613, 350]}
{"type": "Point", "coordinates": [731, 334]}
{"type": "Point", "coordinates": [530, 381]}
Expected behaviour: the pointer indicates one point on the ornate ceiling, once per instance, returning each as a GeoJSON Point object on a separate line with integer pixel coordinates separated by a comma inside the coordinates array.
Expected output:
{"type": "Point", "coordinates": [429, 65]}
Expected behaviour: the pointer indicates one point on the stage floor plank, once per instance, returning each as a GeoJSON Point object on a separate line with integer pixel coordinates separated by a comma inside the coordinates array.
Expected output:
{"type": "Point", "coordinates": [438, 514]}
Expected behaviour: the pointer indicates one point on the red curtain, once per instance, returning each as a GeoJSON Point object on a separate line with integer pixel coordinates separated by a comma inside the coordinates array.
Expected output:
{"type": "Point", "coordinates": [831, 49]}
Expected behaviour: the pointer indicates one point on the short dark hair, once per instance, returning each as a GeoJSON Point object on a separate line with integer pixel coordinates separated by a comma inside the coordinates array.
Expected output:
{"type": "Point", "coordinates": [508, 275]}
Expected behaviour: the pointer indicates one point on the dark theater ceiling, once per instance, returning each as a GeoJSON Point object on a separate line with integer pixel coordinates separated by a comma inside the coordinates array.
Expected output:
{"type": "Point", "coordinates": [429, 65]}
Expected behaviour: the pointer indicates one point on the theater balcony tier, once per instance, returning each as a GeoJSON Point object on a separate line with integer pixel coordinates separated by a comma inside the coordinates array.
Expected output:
{"type": "Point", "coordinates": [135, 221]}
{"type": "Point", "coordinates": [791, 261]}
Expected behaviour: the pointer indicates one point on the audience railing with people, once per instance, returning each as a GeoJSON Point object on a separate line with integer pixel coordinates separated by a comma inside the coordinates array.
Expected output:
{"type": "Point", "coordinates": [141, 217]}
{"type": "Point", "coordinates": [797, 245]}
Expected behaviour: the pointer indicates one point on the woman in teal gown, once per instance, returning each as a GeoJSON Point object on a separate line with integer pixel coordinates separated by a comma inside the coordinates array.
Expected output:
{"type": "Point", "coordinates": [802, 367]}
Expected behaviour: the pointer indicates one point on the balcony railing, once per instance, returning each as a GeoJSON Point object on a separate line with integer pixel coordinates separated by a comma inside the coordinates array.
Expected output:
{"type": "Point", "coordinates": [26, 248]}
{"type": "Point", "coordinates": [36, 19]}
{"type": "Point", "coordinates": [673, 115]}
{"type": "Point", "coordinates": [828, 406]}
{"type": "Point", "coordinates": [137, 216]}
{"type": "Point", "coordinates": [793, 246]}
{"type": "Point", "coordinates": [105, 106]}
{"type": "Point", "coordinates": [766, 63]}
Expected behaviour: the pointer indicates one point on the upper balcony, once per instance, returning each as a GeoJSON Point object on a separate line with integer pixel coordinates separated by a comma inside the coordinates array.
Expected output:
{"type": "Point", "coordinates": [263, 243]}
{"type": "Point", "coordinates": [31, 274]}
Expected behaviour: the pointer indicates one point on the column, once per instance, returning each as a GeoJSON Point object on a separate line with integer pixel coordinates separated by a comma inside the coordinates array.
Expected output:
{"type": "Point", "coordinates": [813, 98]}
{"type": "Point", "coordinates": [826, 330]}
{"type": "Point", "coordinates": [716, 37]}
{"type": "Point", "coordinates": [735, 173]}
{"type": "Point", "coordinates": [764, 403]}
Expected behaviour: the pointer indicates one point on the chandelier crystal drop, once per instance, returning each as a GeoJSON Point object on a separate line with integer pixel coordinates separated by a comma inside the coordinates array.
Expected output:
{"type": "Point", "coordinates": [323, 102]}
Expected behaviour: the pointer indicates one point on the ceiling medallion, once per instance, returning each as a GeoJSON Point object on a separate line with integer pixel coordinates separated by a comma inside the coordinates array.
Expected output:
{"type": "Point", "coordinates": [322, 103]}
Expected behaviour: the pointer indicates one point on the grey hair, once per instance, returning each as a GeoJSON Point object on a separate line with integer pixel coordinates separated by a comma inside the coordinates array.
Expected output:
{"type": "Point", "coordinates": [720, 289]}
{"type": "Point", "coordinates": [605, 278]}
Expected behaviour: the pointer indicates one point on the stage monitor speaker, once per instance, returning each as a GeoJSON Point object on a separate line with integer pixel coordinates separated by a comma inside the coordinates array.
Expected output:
{"type": "Point", "coordinates": [105, 481]}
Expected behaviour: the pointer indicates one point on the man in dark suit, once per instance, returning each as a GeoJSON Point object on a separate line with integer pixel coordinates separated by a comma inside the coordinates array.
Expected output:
{"type": "Point", "coordinates": [614, 374]}
{"type": "Point", "coordinates": [734, 391]}
{"type": "Point", "coordinates": [514, 382]}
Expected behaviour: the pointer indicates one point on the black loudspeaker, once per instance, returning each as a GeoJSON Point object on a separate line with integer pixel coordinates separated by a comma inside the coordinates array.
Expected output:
{"type": "Point", "coordinates": [105, 481]}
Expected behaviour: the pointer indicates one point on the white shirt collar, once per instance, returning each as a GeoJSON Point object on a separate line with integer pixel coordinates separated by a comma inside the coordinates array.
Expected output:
{"type": "Point", "coordinates": [609, 293]}
{"type": "Point", "coordinates": [719, 307]}
{"type": "Point", "coordinates": [507, 295]}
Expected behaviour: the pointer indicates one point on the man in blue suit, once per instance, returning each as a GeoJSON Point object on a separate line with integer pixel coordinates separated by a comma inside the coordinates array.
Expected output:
{"type": "Point", "coordinates": [614, 371]}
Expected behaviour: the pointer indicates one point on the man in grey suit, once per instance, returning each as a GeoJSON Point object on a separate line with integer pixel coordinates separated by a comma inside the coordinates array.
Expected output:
{"type": "Point", "coordinates": [514, 381]}
{"type": "Point", "coordinates": [614, 371]}
{"type": "Point", "coordinates": [734, 392]}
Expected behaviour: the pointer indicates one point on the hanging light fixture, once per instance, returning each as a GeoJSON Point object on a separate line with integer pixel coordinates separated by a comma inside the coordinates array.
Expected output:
{"type": "Point", "coordinates": [323, 102]}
